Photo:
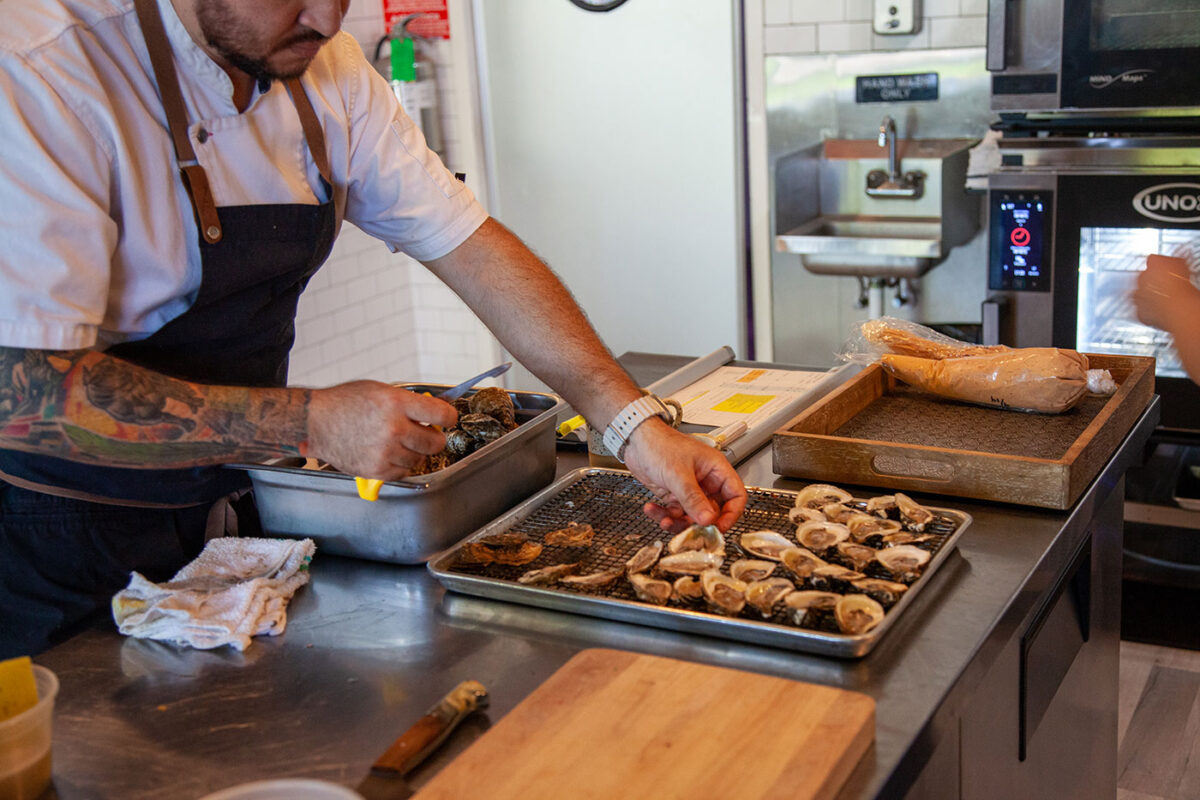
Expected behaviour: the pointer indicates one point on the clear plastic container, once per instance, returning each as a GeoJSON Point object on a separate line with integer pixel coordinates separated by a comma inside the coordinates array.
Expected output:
{"type": "Point", "coordinates": [286, 789]}
{"type": "Point", "coordinates": [25, 743]}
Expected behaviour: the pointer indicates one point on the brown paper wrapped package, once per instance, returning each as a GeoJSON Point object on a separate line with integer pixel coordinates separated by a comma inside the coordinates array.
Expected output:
{"type": "Point", "coordinates": [1045, 379]}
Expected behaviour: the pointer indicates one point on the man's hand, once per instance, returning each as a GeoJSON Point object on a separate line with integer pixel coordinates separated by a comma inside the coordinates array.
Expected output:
{"type": "Point", "coordinates": [1164, 292]}
{"type": "Point", "coordinates": [693, 482]}
{"type": "Point", "coordinates": [375, 430]}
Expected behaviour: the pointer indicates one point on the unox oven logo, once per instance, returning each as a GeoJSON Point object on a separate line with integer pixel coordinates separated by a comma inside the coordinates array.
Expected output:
{"type": "Point", "coordinates": [1131, 76]}
{"type": "Point", "coordinates": [1169, 202]}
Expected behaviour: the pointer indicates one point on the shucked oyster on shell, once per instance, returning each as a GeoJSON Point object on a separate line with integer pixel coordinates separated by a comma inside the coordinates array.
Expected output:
{"type": "Point", "coordinates": [594, 579]}
{"type": "Point", "coordinates": [854, 555]}
{"type": "Point", "coordinates": [802, 514]}
{"type": "Point", "coordinates": [811, 609]}
{"type": "Point", "coordinates": [697, 537]}
{"type": "Point", "coordinates": [644, 558]}
{"type": "Point", "coordinates": [650, 590]}
{"type": "Point", "coordinates": [857, 614]}
{"type": "Point", "coordinates": [914, 515]}
{"type": "Point", "coordinates": [690, 562]}
{"type": "Point", "coordinates": [816, 495]}
{"type": "Point", "coordinates": [764, 595]}
{"type": "Point", "coordinates": [903, 562]}
{"type": "Point", "coordinates": [751, 569]}
{"type": "Point", "coordinates": [576, 534]}
{"type": "Point", "coordinates": [886, 593]}
{"type": "Point", "coordinates": [820, 537]}
{"type": "Point", "coordinates": [765, 544]}
{"type": "Point", "coordinates": [801, 562]}
{"type": "Point", "coordinates": [548, 575]}
{"type": "Point", "coordinates": [724, 594]}
{"type": "Point", "coordinates": [687, 589]}
{"type": "Point", "coordinates": [866, 529]}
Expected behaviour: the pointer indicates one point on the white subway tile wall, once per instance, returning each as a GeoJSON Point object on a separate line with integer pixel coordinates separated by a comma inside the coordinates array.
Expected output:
{"type": "Point", "coordinates": [820, 26]}
{"type": "Point", "coordinates": [369, 313]}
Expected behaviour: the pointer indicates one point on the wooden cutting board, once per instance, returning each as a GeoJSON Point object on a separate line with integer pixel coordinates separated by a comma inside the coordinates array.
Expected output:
{"type": "Point", "coordinates": [611, 724]}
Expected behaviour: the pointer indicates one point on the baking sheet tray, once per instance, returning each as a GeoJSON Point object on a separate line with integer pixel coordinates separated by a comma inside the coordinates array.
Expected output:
{"type": "Point", "coordinates": [415, 517]}
{"type": "Point", "coordinates": [611, 501]}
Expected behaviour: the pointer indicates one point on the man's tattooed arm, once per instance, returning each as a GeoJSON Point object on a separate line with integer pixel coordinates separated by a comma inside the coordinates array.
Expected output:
{"type": "Point", "coordinates": [86, 406]}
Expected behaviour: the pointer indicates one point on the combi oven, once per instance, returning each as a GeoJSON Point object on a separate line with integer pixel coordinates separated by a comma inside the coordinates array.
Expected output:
{"type": "Point", "coordinates": [1094, 56]}
{"type": "Point", "coordinates": [1070, 223]}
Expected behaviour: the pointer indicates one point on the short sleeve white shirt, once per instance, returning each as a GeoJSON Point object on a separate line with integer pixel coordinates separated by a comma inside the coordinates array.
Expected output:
{"type": "Point", "coordinates": [98, 243]}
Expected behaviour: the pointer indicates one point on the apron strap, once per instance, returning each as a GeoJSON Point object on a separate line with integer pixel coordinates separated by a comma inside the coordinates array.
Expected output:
{"type": "Point", "coordinates": [163, 62]}
{"type": "Point", "coordinates": [312, 128]}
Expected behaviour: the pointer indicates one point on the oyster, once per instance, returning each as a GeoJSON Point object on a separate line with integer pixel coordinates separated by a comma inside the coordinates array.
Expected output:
{"type": "Point", "coordinates": [751, 569]}
{"type": "Point", "coordinates": [687, 588]}
{"type": "Point", "coordinates": [857, 613]}
{"type": "Point", "coordinates": [692, 562]}
{"type": "Point", "coordinates": [576, 534]}
{"type": "Point", "coordinates": [644, 558]}
{"type": "Point", "coordinates": [459, 443]}
{"type": "Point", "coordinates": [697, 537]}
{"type": "Point", "coordinates": [800, 515]}
{"type": "Point", "coordinates": [821, 536]}
{"type": "Point", "coordinates": [650, 590]}
{"type": "Point", "coordinates": [811, 609]}
{"type": "Point", "coordinates": [881, 505]}
{"type": "Point", "coordinates": [764, 595]}
{"type": "Point", "coordinates": [496, 403]}
{"type": "Point", "coordinates": [867, 529]}
{"type": "Point", "coordinates": [724, 594]}
{"type": "Point", "coordinates": [481, 427]}
{"type": "Point", "coordinates": [462, 405]}
{"type": "Point", "coordinates": [854, 555]}
{"type": "Point", "coordinates": [886, 593]}
{"type": "Point", "coordinates": [548, 575]}
{"type": "Point", "coordinates": [765, 544]}
{"type": "Point", "coordinates": [903, 562]}
{"type": "Point", "coordinates": [914, 515]}
{"type": "Point", "coordinates": [904, 537]}
{"type": "Point", "coordinates": [801, 562]}
{"type": "Point", "coordinates": [817, 495]}
{"type": "Point", "coordinates": [594, 578]}
{"type": "Point", "coordinates": [833, 577]}
{"type": "Point", "coordinates": [839, 512]}
{"type": "Point", "coordinates": [500, 548]}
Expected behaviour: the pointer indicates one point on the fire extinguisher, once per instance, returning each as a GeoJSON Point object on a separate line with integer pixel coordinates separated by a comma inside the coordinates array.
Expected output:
{"type": "Point", "coordinates": [413, 77]}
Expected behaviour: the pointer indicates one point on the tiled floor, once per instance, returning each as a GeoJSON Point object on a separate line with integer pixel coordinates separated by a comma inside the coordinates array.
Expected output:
{"type": "Point", "coordinates": [1158, 723]}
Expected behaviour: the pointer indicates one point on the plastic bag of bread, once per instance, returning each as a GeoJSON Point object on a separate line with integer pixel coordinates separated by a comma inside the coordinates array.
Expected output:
{"type": "Point", "coordinates": [874, 337]}
{"type": "Point", "coordinates": [1049, 380]}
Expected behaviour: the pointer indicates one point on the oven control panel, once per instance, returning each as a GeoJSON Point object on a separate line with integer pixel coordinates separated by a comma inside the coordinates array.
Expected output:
{"type": "Point", "coordinates": [1019, 240]}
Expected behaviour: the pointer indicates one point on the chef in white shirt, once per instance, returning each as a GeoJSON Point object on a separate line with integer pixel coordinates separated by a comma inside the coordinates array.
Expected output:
{"type": "Point", "coordinates": [174, 173]}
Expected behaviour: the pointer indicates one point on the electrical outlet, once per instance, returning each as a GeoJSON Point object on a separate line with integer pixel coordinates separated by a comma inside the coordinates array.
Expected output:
{"type": "Point", "coordinates": [896, 17]}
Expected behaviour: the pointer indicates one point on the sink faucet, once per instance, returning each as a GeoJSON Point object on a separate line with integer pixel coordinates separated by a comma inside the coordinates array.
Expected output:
{"type": "Point", "coordinates": [887, 138]}
{"type": "Point", "coordinates": [891, 183]}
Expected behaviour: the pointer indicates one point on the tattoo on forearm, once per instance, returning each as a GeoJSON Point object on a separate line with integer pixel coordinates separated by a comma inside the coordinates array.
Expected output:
{"type": "Point", "coordinates": [86, 406]}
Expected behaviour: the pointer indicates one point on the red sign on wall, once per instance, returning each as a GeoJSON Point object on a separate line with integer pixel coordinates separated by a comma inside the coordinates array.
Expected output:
{"type": "Point", "coordinates": [434, 22]}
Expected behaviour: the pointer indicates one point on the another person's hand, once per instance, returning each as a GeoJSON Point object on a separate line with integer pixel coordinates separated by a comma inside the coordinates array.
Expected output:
{"type": "Point", "coordinates": [692, 481]}
{"type": "Point", "coordinates": [1164, 292]}
{"type": "Point", "coordinates": [375, 430]}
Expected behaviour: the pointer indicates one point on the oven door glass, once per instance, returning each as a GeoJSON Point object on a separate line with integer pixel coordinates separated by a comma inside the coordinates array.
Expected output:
{"type": "Point", "coordinates": [1109, 262]}
{"type": "Point", "coordinates": [1130, 53]}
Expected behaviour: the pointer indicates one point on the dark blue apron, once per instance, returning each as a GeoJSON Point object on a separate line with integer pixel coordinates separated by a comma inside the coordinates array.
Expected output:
{"type": "Point", "coordinates": [71, 533]}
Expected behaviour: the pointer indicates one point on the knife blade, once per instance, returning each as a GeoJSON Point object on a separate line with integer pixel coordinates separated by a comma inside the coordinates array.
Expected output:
{"type": "Point", "coordinates": [368, 488]}
{"type": "Point", "coordinates": [386, 780]}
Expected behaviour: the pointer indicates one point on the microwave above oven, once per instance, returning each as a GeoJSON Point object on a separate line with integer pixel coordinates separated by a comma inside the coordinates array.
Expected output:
{"type": "Point", "coordinates": [1095, 56]}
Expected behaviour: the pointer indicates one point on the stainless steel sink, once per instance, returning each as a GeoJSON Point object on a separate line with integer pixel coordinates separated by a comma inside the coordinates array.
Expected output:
{"type": "Point", "coordinates": [856, 233]}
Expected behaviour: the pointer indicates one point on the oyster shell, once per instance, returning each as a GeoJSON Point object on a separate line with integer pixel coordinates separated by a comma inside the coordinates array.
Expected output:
{"type": "Point", "coordinates": [751, 569]}
{"type": "Point", "coordinates": [687, 588]}
{"type": "Point", "coordinates": [650, 590]}
{"type": "Point", "coordinates": [459, 443]}
{"type": "Point", "coordinates": [801, 562]}
{"type": "Point", "coordinates": [881, 505]}
{"type": "Point", "coordinates": [821, 536]}
{"type": "Point", "coordinates": [501, 548]}
{"type": "Point", "coordinates": [886, 593]}
{"type": "Point", "coordinates": [857, 614]}
{"type": "Point", "coordinates": [903, 562]}
{"type": "Point", "coordinates": [692, 562]}
{"type": "Point", "coordinates": [594, 579]}
{"type": "Point", "coordinates": [855, 556]}
{"type": "Point", "coordinates": [914, 515]}
{"type": "Point", "coordinates": [548, 575]}
{"type": "Point", "coordinates": [811, 609]}
{"type": "Point", "coordinates": [644, 558]}
{"type": "Point", "coordinates": [764, 595]}
{"type": "Point", "coordinates": [765, 544]}
{"type": "Point", "coordinates": [724, 595]}
{"type": "Point", "coordinates": [481, 427]}
{"type": "Point", "coordinates": [833, 577]}
{"type": "Point", "coordinates": [867, 529]}
{"type": "Point", "coordinates": [802, 514]}
{"type": "Point", "coordinates": [839, 512]}
{"type": "Point", "coordinates": [496, 403]}
{"type": "Point", "coordinates": [697, 537]}
{"type": "Point", "coordinates": [576, 534]}
{"type": "Point", "coordinates": [904, 537]}
{"type": "Point", "coordinates": [816, 495]}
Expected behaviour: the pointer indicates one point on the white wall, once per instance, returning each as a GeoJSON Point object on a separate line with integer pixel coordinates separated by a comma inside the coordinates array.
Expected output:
{"type": "Point", "coordinates": [369, 313]}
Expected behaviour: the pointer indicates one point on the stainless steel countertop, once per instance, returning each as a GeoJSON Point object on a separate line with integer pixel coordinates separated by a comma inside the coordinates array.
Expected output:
{"type": "Point", "coordinates": [369, 647]}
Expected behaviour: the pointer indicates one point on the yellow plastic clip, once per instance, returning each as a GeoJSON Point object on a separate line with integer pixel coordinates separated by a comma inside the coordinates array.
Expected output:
{"type": "Point", "coordinates": [574, 422]}
{"type": "Point", "coordinates": [368, 488]}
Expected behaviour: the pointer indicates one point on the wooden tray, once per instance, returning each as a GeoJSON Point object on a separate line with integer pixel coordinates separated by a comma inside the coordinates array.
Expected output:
{"type": "Point", "coordinates": [876, 431]}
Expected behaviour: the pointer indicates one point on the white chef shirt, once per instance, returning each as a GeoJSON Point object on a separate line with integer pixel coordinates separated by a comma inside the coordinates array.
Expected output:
{"type": "Point", "coordinates": [98, 243]}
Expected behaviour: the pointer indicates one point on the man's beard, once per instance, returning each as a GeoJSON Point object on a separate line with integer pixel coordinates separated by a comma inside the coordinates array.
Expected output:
{"type": "Point", "coordinates": [222, 30]}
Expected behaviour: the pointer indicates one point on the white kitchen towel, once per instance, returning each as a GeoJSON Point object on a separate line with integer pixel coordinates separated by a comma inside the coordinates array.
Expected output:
{"type": "Point", "coordinates": [235, 589]}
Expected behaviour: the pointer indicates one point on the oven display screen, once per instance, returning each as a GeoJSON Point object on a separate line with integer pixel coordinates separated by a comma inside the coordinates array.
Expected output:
{"type": "Point", "coordinates": [1020, 241]}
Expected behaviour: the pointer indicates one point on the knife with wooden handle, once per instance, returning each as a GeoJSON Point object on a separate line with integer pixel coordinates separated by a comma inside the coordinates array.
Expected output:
{"type": "Point", "coordinates": [386, 780]}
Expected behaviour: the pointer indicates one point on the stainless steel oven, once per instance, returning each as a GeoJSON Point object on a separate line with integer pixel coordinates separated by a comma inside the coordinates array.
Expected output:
{"type": "Point", "coordinates": [1096, 56]}
{"type": "Point", "coordinates": [1070, 223]}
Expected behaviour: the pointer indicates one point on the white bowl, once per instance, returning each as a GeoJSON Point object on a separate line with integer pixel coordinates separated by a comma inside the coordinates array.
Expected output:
{"type": "Point", "coordinates": [286, 789]}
